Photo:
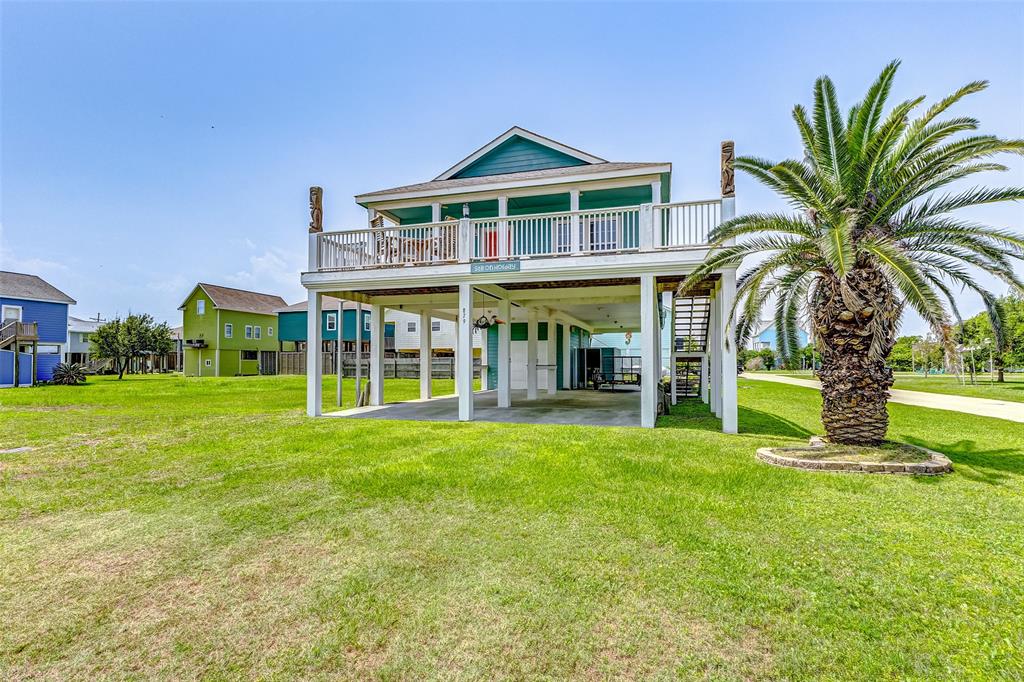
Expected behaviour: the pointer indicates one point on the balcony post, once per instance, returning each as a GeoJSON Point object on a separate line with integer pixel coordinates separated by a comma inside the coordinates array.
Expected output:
{"type": "Point", "coordinates": [359, 352]}
{"type": "Point", "coordinates": [502, 227]}
{"type": "Point", "coordinates": [465, 237]}
{"type": "Point", "coordinates": [574, 229]}
{"type": "Point", "coordinates": [313, 260]}
{"type": "Point", "coordinates": [646, 227]}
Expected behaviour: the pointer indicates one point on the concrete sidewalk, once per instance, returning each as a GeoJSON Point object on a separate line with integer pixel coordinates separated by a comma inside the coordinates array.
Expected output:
{"type": "Point", "coordinates": [985, 407]}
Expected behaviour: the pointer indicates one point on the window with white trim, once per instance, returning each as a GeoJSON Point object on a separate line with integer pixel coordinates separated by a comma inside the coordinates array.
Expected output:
{"type": "Point", "coordinates": [411, 327]}
{"type": "Point", "coordinates": [366, 325]}
{"type": "Point", "coordinates": [12, 312]}
{"type": "Point", "coordinates": [248, 331]}
{"type": "Point", "coordinates": [256, 332]}
{"type": "Point", "coordinates": [229, 329]}
{"type": "Point", "coordinates": [200, 306]}
{"type": "Point", "coordinates": [332, 322]}
{"type": "Point", "coordinates": [209, 363]}
{"type": "Point", "coordinates": [270, 331]}
{"type": "Point", "coordinates": [435, 325]}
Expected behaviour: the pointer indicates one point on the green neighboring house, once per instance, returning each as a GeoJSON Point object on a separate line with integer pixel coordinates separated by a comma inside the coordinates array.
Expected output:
{"type": "Point", "coordinates": [229, 332]}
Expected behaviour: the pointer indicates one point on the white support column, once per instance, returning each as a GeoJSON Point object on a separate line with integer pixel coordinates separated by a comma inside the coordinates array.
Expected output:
{"type": "Point", "coordinates": [552, 354]}
{"type": "Point", "coordinates": [359, 351]}
{"type": "Point", "coordinates": [648, 343]}
{"type": "Point", "coordinates": [314, 359]}
{"type": "Point", "coordinates": [339, 330]}
{"type": "Point", "coordinates": [455, 357]}
{"type": "Point", "coordinates": [435, 212]}
{"type": "Point", "coordinates": [426, 355]}
{"type": "Point", "coordinates": [531, 354]}
{"type": "Point", "coordinates": [704, 379]}
{"type": "Point", "coordinates": [464, 359]}
{"type": "Point", "coordinates": [504, 354]}
{"type": "Point", "coordinates": [729, 408]}
{"type": "Point", "coordinates": [566, 360]}
{"type": "Point", "coordinates": [502, 227]}
{"type": "Point", "coordinates": [376, 355]}
{"type": "Point", "coordinates": [574, 223]}
{"type": "Point", "coordinates": [716, 356]}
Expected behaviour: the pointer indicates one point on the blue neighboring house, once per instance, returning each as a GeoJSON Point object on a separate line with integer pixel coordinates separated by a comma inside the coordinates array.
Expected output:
{"type": "Point", "coordinates": [766, 337]}
{"type": "Point", "coordinates": [33, 328]}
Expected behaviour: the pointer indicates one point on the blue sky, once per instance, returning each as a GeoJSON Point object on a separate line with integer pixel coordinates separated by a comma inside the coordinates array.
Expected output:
{"type": "Point", "coordinates": [147, 146]}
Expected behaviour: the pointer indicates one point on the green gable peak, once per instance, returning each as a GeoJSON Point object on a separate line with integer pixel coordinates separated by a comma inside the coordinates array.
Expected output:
{"type": "Point", "coordinates": [517, 151]}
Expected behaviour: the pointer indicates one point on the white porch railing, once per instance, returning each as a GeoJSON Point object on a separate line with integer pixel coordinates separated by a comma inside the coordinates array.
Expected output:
{"type": "Point", "coordinates": [388, 246]}
{"type": "Point", "coordinates": [686, 223]}
{"type": "Point", "coordinates": [642, 228]}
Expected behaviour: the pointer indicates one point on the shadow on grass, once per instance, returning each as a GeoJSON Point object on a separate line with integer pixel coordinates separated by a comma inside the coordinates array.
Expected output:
{"type": "Point", "coordinates": [694, 415]}
{"type": "Point", "coordinates": [992, 465]}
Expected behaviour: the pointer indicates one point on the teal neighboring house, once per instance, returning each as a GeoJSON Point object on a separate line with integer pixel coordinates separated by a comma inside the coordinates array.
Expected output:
{"type": "Point", "coordinates": [291, 324]}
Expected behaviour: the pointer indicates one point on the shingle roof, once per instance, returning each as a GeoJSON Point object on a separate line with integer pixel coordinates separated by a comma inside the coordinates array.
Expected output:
{"type": "Point", "coordinates": [18, 285]}
{"type": "Point", "coordinates": [457, 183]}
{"type": "Point", "coordinates": [329, 303]}
{"type": "Point", "coordinates": [240, 300]}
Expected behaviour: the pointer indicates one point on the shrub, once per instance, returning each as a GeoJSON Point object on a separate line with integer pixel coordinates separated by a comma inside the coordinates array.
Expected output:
{"type": "Point", "coordinates": [69, 374]}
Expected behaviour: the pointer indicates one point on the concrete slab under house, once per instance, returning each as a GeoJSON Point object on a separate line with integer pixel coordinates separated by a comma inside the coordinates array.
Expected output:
{"type": "Point", "coordinates": [536, 247]}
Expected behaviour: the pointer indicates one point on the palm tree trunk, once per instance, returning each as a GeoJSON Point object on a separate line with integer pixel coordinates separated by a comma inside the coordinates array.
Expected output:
{"type": "Point", "coordinates": [856, 327]}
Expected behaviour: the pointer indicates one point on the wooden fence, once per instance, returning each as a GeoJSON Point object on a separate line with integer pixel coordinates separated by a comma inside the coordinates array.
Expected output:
{"type": "Point", "coordinates": [294, 362]}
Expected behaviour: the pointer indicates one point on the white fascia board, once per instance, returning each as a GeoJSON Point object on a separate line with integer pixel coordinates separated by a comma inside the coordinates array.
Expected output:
{"type": "Point", "coordinates": [525, 134]}
{"type": "Point", "coordinates": [628, 264]}
{"type": "Point", "coordinates": [511, 188]}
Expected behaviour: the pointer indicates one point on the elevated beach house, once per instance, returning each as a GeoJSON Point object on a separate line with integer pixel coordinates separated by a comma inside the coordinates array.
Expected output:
{"type": "Point", "coordinates": [229, 332]}
{"type": "Point", "coordinates": [528, 233]}
{"type": "Point", "coordinates": [33, 328]}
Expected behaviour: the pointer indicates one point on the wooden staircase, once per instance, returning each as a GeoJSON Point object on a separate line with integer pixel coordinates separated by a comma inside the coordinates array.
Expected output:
{"type": "Point", "coordinates": [13, 332]}
{"type": "Point", "coordinates": [691, 320]}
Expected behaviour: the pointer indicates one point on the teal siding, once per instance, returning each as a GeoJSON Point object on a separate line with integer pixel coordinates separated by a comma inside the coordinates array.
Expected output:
{"type": "Point", "coordinates": [517, 155]}
{"type": "Point", "coordinates": [492, 356]}
{"type": "Point", "coordinates": [559, 359]}
{"type": "Point", "coordinates": [292, 326]}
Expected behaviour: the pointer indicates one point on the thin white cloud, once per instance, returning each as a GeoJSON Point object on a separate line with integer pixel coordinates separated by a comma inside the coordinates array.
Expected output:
{"type": "Point", "coordinates": [274, 271]}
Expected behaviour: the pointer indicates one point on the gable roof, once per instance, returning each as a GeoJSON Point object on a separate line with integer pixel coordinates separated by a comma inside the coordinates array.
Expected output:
{"type": "Point", "coordinates": [19, 285]}
{"type": "Point", "coordinates": [238, 300]}
{"type": "Point", "coordinates": [509, 135]}
{"type": "Point", "coordinates": [329, 303]}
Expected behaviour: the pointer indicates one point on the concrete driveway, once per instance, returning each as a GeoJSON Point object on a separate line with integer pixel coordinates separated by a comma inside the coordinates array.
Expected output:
{"type": "Point", "coordinates": [606, 407]}
{"type": "Point", "coordinates": [984, 407]}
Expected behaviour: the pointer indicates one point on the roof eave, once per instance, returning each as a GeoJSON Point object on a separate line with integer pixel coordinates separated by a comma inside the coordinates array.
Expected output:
{"type": "Point", "coordinates": [369, 198]}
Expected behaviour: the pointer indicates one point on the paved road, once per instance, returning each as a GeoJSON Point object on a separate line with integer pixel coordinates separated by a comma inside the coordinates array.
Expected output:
{"type": "Point", "coordinates": [986, 407]}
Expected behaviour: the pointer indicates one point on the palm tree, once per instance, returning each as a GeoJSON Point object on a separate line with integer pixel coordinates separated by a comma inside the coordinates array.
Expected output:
{"type": "Point", "coordinates": [872, 236]}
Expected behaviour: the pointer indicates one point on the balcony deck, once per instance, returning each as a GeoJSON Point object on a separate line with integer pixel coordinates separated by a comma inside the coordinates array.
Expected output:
{"type": "Point", "coordinates": [647, 228]}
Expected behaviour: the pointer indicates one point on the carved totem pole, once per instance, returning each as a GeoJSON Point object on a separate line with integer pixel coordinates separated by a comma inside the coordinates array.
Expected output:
{"type": "Point", "coordinates": [316, 209]}
{"type": "Point", "coordinates": [728, 172]}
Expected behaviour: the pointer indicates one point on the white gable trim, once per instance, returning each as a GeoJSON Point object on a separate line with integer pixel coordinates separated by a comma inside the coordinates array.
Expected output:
{"type": "Point", "coordinates": [525, 134]}
{"type": "Point", "coordinates": [558, 183]}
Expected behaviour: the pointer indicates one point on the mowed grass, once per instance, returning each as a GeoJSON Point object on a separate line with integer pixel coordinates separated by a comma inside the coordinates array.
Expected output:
{"type": "Point", "coordinates": [204, 528]}
{"type": "Point", "coordinates": [984, 386]}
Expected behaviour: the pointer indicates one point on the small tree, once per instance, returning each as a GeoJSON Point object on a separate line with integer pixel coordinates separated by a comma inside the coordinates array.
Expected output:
{"type": "Point", "coordinates": [767, 356]}
{"type": "Point", "coordinates": [120, 341]}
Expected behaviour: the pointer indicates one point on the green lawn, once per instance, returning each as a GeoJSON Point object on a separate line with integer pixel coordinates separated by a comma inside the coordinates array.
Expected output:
{"type": "Point", "coordinates": [1011, 389]}
{"type": "Point", "coordinates": [204, 528]}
